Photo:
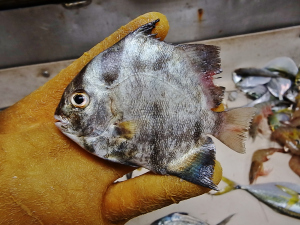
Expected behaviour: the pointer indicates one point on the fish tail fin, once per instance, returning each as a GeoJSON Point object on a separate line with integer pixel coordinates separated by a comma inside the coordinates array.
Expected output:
{"type": "Point", "coordinates": [226, 220]}
{"type": "Point", "coordinates": [197, 166]}
{"type": "Point", "coordinates": [234, 128]}
{"type": "Point", "coordinates": [206, 62]}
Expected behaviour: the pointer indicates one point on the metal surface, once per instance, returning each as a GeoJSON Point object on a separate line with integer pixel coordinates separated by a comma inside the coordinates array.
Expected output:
{"type": "Point", "coordinates": [16, 83]}
{"type": "Point", "coordinates": [51, 33]}
{"type": "Point", "coordinates": [15, 4]}
{"type": "Point", "coordinates": [239, 51]}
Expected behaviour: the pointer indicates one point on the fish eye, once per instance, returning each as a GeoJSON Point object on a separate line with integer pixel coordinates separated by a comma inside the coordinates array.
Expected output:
{"type": "Point", "coordinates": [80, 99]}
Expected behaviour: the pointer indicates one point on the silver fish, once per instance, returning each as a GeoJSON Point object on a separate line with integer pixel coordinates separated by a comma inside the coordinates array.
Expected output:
{"type": "Point", "coordinates": [283, 65]}
{"type": "Point", "coordinates": [144, 102]}
{"type": "Point", "coordinates": [251, 71]}
{"type": "Point", "coordinates": [252, 81]}
{"type": "Point", "coordinates": [292, 93]}
{"type": "Point", "coordinates": [256, 92]}
{"type": "Point", "coordinates": [236, 78]}
{"type": "Point", "coordinates": [266, 97]}
{"type": "Point", "coordinates": [278, 86]}
{"type": "Point", "coordinates": [181, 218]}
{"type": "Point", "coordinates": [280, 196]}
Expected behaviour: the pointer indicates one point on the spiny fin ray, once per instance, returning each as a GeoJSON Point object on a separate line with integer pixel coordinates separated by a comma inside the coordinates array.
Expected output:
{"type": "Point", "coordinates": [147, 28]}
{"type": "Point", "coordinates": [198, 166]}
{"type": "Point", "coordinates": [206, 61]}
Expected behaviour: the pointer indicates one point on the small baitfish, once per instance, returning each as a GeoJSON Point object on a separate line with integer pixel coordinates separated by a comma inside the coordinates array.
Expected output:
{"type": "Point", "coordinates": [144, 102]}
{"type": "Point", "coordinates": [283, 197]}
{"type": "Point", "coordinates": [181, 218]}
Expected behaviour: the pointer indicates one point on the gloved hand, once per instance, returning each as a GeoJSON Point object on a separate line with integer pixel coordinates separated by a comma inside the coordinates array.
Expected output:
{"type": "Point", "coordinates": [45, 178]}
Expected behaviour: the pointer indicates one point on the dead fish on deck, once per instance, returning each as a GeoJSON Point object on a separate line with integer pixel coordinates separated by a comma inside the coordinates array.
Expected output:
{"type": "Point", "coordinates": [181, 218]}
{"type": "Point", "coordinates": [144, 102]}
{"type": "Point", "coordinates": [283, 197]}
{"type": "Point", "coordinates": [277, 77]}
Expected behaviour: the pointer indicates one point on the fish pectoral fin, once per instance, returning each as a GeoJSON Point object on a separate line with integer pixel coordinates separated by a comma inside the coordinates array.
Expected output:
{"type": "Point", "coordinates": [126, 129]}
{"type": "Point", "coordinates": [196, 166]}
{"type": "Point", "coordinates": [234, 128]}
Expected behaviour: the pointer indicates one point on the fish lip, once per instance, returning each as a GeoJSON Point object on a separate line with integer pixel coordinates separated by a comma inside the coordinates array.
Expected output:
{"type": "Point", "coordinates": [60, 122]}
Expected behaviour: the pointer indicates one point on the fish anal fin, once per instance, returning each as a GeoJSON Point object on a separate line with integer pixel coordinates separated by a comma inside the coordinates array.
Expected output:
{"type": "Point", "coordinates": [196, 166]}
{"type": "Point", "coordinates": [233, 130]}
{"type": "Point", "coordinates": [126, 129]}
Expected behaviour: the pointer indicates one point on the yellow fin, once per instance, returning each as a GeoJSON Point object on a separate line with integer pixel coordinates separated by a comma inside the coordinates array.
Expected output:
{"type": "Point", "coordinates": [220, 108]}
{"type": "Point", "coordinates": [127, 129]}
{"type": "Point", "coordinates": [294, 195]}
{"type": "Point", "coordinates": [230, 186]}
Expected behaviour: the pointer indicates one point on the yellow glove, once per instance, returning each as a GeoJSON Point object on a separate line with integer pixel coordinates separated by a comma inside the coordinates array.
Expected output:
{"type": "Point", "coordinates": [45, 178]}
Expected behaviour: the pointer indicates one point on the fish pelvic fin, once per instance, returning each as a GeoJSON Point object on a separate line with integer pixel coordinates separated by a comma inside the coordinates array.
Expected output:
{"type": "Point", "coordinates": [206, 61]}
{"type": "Point", "coordinates": [197, 166]}
{"type": "Point", "coordinates": [234, 128]}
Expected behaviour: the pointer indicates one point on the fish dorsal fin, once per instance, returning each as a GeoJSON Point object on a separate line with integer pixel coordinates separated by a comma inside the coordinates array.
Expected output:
{"type": "Point", "coordinates": [205, 58]}
{"type": "Point", "coordinates": [206, 61]}
{"type": "Point", "coordinates": [146, 29]}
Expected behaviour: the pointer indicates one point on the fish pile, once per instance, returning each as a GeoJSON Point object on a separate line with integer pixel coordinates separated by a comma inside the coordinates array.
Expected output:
{"type": "Point", "coordinates": [275, 93]}
{"type": "Point", "coordinates": [278, 79]}
{"type": "Point", "coordinates": [181, 218]}
{"type": "Point", "coordinates": [283, 197]}
{"type": "Point", "coordinates": [147, 103]}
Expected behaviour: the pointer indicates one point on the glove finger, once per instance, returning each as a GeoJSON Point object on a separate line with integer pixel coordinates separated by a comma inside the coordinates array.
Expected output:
{"type": "Point", "coordinates": [149, 192]}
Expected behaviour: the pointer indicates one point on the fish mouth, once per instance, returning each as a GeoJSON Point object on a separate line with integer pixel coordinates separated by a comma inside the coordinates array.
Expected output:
{"type": "Point", "coordinates": [60, 122]}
